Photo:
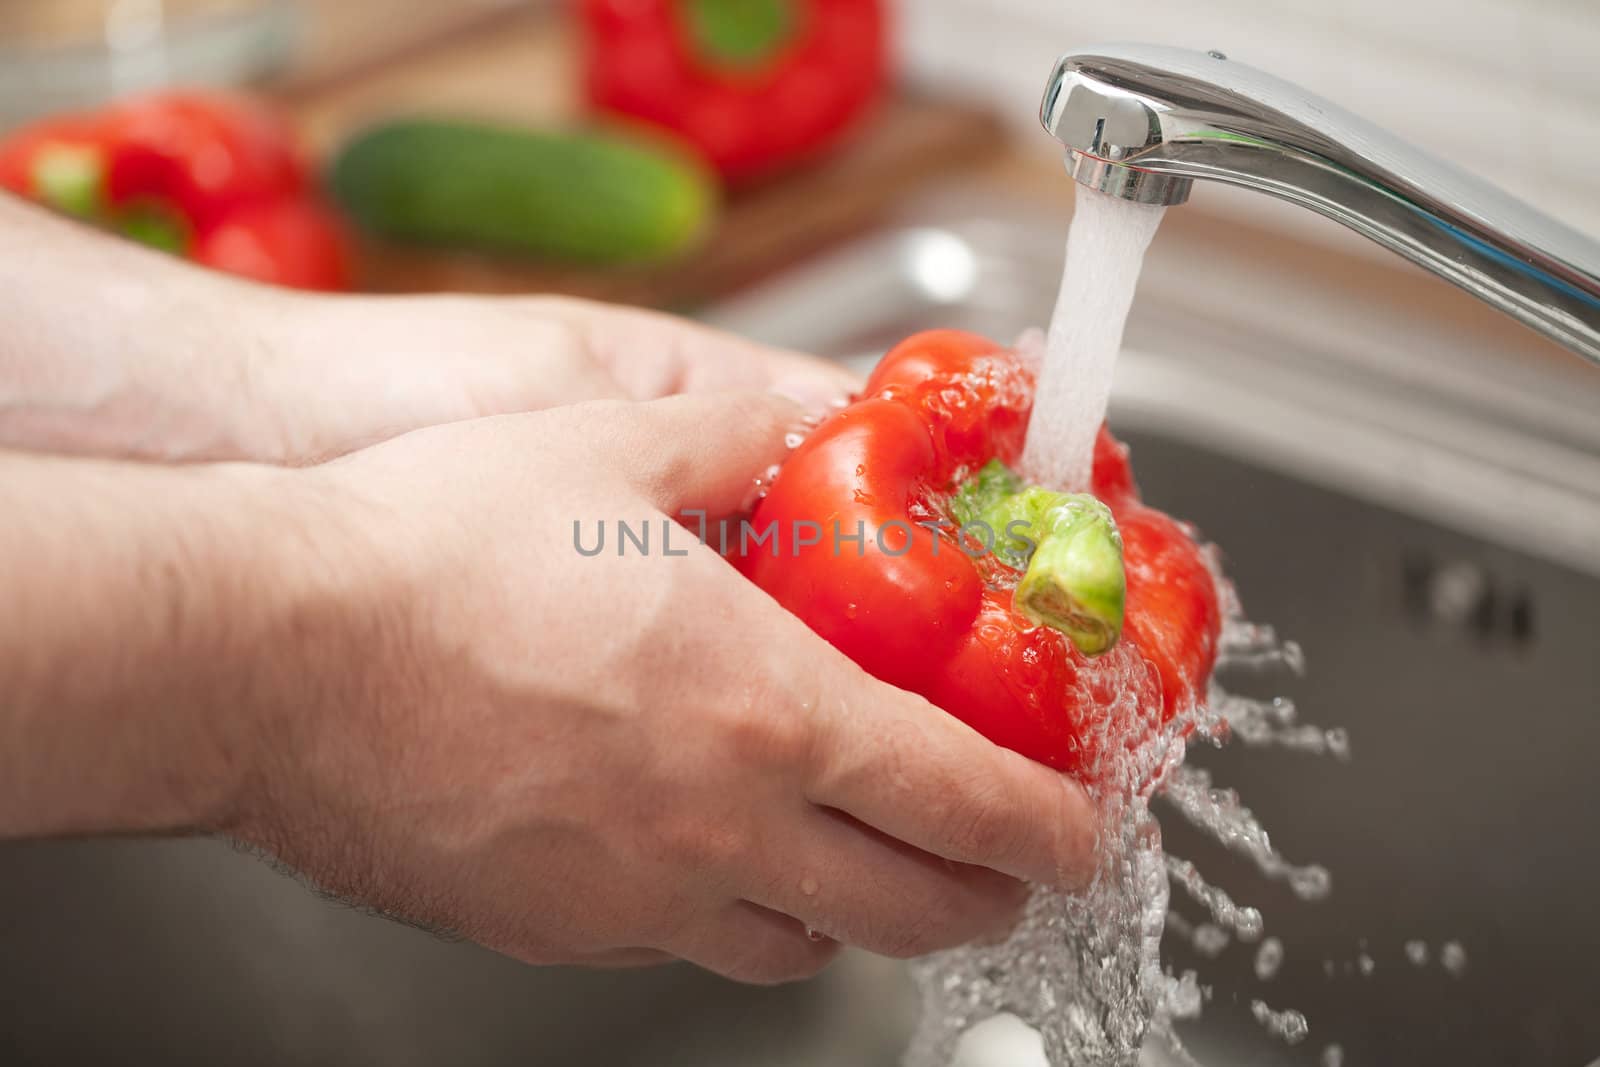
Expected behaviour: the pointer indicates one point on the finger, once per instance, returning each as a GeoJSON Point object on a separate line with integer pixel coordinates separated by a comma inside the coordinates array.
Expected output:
{"type": "Point", "coordinates": [860, 887]}
{"type": "Point", "coordinates": [627, 958]}
{"type": "Point", "coordinates": [918, 774]}
{"type": "Point", "coordinates": [749, 943]}
{"type": "Point", "coordinates": [703, 451]}
{"type": "Point", "coordinates": [651, 354]}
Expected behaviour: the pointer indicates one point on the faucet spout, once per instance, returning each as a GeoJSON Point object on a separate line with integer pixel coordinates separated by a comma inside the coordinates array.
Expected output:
{"type": "Point", "coordinates": [1144, 123]}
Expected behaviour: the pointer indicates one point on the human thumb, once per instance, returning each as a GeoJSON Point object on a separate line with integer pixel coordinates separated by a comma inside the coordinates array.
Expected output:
{"type": "Point", "coordinates": [706, 450]}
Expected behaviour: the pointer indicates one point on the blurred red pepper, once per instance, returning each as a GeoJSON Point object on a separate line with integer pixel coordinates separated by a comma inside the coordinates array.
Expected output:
{"type": "Point", "coordinates": [289, 241]}
{"type": "Point", "coordinates": [1020, 642]}
{"type": "Point", "coordinates": [200, 154]}
{"type": "Point", "coordinates": [209, 175]}
{"type": "Point", "coordinates": [59, 162]}
{"type": "Point", "coordinates": [755, 84]}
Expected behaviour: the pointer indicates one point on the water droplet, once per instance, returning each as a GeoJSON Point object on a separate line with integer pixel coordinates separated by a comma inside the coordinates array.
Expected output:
{"type": "Point", "coordinates": [1366, 965]}
{"type": "Point", "coordinates": [1310, 883]}
{"type": "Point", "coordinates": [793, 439]}
{"type": "Point", "coordinates": [815, 935]}
{"type": "Point", "coordinates": [1214, 54]}
{"type": "Point", "coordinates": [1417, 953]}
{"type": "Point", "coordinates": [850, 611]}
{"type": "Point", "coordinates": [1184, 997]}
{"type": "Point", "coordinates": [1289, 1026]}
{"type": "Point", "coordinates": [1269, 957]}
{"type": "Point", "coordinates": [1210, 939]}
{"type": "Point", "coordinates": [1453, 958]}
{"type": "Point", "coordinates": [1333, 1056]}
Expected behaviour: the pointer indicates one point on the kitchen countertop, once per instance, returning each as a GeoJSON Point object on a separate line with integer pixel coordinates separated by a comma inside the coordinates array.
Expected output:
{"type": "Point", "coordinates": [519, 63]}
{"type": "Point", "coordinates": [518, 60]}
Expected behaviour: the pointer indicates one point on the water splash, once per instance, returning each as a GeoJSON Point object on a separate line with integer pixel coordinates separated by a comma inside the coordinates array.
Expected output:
{"type": "Point", "coordinates": [1084, 969]}
{"type": "Point", "coordinates": [1289, 1025]}
{"type": "Point", "coordinates": [1210, 939]}
{"type": "Point", "coordinates": [1269, 958]}
{"type": "Point", "coordinates": [1218, 813]}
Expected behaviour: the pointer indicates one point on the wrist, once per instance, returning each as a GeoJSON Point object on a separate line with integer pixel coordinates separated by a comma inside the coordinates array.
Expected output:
{"type": "Point", "coordinates": [321, 664]}
{"type": "Point", "coordinates": [142, 600]}
{"type": "Point", "coordinates": [256, 561]}
{"type": "Point", "coordinates": [112, 350]}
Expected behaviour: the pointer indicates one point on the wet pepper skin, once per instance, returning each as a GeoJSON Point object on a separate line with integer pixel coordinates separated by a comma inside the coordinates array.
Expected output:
{"type": "Point", "coordinates": [938, 407]}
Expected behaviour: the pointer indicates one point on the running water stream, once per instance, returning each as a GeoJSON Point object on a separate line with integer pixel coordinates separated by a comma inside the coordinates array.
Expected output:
{"type": "Point", "coordinates": [1105, 250]}
{"type": "Point", "coordinates": [1084, 969]}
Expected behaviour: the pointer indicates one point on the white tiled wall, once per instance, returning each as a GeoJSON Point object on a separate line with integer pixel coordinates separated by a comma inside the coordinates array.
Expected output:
{"type": "Point", "coordinates": [1509, 89]}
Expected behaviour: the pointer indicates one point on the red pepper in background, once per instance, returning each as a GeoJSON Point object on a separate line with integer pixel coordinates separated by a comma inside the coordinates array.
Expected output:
{"type": "Point", "coordinates": [200, 154]}
{"type": "Point", "coordinates": [216, 177]}
{"type": "Point", "coordinates": [287, 241]}
{"type": "Point", "coordinates": [754, 84]}
{"type": "Point", "coordinates": [1022, 642]}
{"type": "Point", "coordinates": [58, 162]}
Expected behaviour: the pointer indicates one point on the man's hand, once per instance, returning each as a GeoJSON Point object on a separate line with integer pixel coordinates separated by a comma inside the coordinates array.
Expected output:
{"type": "Point", "coordinates": [349, 371]}
{"type": "Point", "coordinates": [396, 672]}
{"type": "Point", "coordinates": [109, 349]}
{"type": "Point", "coordinates": [623, 756]}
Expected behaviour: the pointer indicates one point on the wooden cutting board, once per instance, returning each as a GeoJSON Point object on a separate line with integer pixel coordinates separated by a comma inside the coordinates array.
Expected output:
{"type": "Point", "coordinates": [521, 64]}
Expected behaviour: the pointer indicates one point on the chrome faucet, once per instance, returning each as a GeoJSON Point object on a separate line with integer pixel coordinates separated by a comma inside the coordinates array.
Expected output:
{"type": "Point", "coordinates": [1144, 123]}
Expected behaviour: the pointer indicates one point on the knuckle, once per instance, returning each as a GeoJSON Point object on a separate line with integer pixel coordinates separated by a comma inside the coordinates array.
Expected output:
{"type": "Point", "coordinates": [981, 825]}
{"type": "Point", "coordinates": [886, 758]}
{"type": "Point", "coordinates": [696, 834]}
{"type": "Point", "coordinates": [769, 416]}
{"type": "Point", "coordinates": [706, 844]}
{"type": "Point", "coordinates": [769, 728]}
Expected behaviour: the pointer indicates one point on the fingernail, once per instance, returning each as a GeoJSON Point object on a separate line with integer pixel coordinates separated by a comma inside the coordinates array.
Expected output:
{"type": "Point", "coordinates": [1079, 854]}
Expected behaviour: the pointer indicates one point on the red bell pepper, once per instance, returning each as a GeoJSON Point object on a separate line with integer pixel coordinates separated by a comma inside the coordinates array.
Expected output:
{"type": "Point", "coordinates": [754, 84]}
{"type": "Point", "coordinates": [213, 176]}
{"type": "Point", "coordinates": [290, 241]}
{"type": "Point", "coordinates": [1021, 642]}
{"type": "Point", "coordinates": [202, 155]}
{"type": "Point", "coordinates": [58, 162]}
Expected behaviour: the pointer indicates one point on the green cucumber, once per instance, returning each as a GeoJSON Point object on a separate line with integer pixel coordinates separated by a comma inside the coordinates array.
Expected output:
{"type": "Point", "coordinates": [585, 197]}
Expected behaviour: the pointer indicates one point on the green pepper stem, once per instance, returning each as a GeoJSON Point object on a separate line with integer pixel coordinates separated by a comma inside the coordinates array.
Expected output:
{"type": "Point", "coordinates": [71, 179]}
{"type": "Point", "coordinates": [155, 227]}
{"type": "Point", "coordinates": [1074, 580]}
{"type": "Point", "coordinates": [741, 33]}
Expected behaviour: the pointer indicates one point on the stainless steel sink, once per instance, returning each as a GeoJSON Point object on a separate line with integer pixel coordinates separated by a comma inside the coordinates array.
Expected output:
{"type": "Point", "coordinates": [1435, 550]}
